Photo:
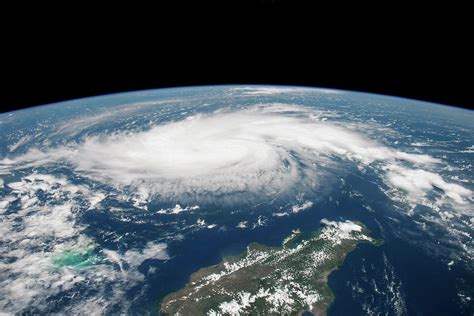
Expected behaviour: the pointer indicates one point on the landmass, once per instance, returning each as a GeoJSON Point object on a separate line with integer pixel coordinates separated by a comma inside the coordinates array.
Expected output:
{"type": "Point", "coordinates": [286, 280]}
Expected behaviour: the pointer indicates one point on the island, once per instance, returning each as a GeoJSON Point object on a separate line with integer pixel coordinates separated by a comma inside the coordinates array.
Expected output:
{"type": "Point", "coordinates": [286, 280]}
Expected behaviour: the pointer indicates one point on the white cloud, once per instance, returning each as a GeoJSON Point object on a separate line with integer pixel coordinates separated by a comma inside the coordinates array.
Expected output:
{"type": "Point", "coordinates": [417, 183]}
{"type": "Point", "coordinates": [261, 221]}
{"type": "Point", "coordinates": [300, 207]}
{"type": "Point", "coordinates": [262, 90]}
{"type": "Point", "coordinates": [45, 228]}
{"type": "Point", "coordinates": [242, 225]}
{"type": "Point", "coordinates": [280, 214]}
{"type": "Point", "coordinates": [178, 209]}
{"type": "Point", "coordinates": [258, 150]}
{"type": "Point", "coordinates": [335, 232]}
{"type": "Point", "coordinates": [202, 223]}
{"type": "Point", "coordinates": [469, 149]}
{"type": "Point", "coordinates": [152, 251]}
{"type": "Point", "coordinates": [346, 227]}
{"type": "Point", "coordinates": [417, 159]}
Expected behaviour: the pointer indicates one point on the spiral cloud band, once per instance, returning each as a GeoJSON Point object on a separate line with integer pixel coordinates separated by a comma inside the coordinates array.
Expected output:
{"type": "Point", "coordinates": [262, 150]}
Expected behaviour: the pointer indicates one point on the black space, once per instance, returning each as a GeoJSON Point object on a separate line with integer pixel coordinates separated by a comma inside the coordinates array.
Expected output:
{"type": "Point", "coordinates": [52, 60]}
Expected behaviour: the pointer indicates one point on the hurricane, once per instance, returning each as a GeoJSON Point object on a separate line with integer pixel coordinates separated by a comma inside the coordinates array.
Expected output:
{"type": "Point", "coordinates": [260, 151]}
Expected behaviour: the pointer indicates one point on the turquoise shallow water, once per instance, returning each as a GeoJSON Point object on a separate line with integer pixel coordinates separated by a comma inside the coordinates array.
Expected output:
{"type": "Point", "coordinates": [146, 247]}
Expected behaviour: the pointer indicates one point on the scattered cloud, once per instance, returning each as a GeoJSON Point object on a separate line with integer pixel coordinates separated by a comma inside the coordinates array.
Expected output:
{"type": "Point", "coordinates": [416, 183]}
{"type": "Point", "coordinates": [46, 251]}
{"type": "Point", "coordinates": [178, 209]}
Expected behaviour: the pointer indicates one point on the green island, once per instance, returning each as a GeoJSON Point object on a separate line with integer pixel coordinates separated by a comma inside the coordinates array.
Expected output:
{"type": "Point", "coordinates": [78, 257]}
{"type": "Point", "coordinates": [286, 280]}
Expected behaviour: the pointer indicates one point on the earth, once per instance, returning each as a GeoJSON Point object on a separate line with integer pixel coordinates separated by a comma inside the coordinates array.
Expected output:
{"type": "Point", "coordinates": [234, 200]}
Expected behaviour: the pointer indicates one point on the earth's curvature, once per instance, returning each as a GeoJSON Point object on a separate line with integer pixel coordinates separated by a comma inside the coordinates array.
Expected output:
{"type": "Point", "coordinates": [234, 200]}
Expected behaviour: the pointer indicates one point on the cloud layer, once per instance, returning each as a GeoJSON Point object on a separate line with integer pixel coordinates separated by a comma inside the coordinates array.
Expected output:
{"type": "Point", "coordinates": [264, 151]}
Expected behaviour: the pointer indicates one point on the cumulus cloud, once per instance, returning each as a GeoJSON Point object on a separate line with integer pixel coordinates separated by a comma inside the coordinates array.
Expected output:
{"type": "Point", "coordinates": [242, 225]}
{"type": "Point", "coordinates": [178, 209]}
{"type": "Point", "coordinates": [418, 182]}
{"type": "Point", "coordinates": [338, 231]}
{"type": "Point", "coordinates": [300, 207]}
{"type": "Point", "coordinates": [346, 227]}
